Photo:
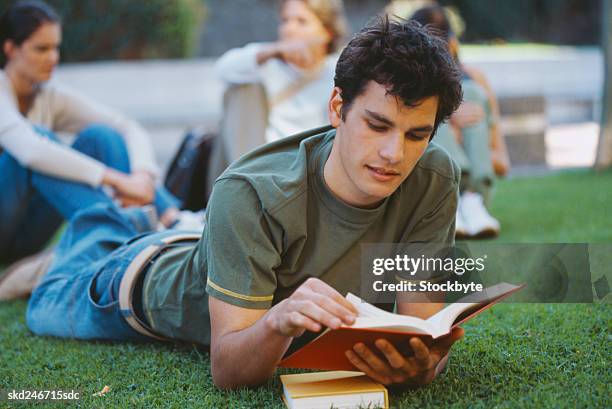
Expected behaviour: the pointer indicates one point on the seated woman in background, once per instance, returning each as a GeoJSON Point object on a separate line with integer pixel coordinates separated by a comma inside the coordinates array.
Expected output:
{"type": "Point", "coordinates": [297, 71]}
{"type": "Point", "coordinates": [109, 150]}
{"type": "Point", "coordinates": [472, 136]}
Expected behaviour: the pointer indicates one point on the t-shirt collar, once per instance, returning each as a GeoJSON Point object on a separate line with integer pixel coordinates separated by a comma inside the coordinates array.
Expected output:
{"type": "Point", "coordinates": [337, 206]}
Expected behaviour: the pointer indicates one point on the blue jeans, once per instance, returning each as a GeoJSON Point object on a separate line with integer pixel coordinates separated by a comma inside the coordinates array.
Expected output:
{"type": "Point", "coordinates": [78, 297]}
{"type": "Point", "coordinates": [31, 210]}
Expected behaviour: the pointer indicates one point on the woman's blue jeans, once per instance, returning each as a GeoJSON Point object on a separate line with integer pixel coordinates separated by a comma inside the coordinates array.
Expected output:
{"type": "Point", "coordinates": [33, 206]}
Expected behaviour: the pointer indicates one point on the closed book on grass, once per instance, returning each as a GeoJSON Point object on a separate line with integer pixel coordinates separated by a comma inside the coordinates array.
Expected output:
{"type": "Point", "coordinates": [337, 389]}
{"type": "Point", "coordinates": [327, 351]}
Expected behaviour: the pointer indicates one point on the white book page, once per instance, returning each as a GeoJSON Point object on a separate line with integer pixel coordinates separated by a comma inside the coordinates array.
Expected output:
{"type": "Point", "coordinates": [443, 319]}
{"type": "Point", "coordinates": [411, 324]}
{"type": "Point", "coordinates": [364, 400]}
{"type": "Point", "coordinates": [437, 325]}
{"type": "Point", "coordinates": [373, 317]}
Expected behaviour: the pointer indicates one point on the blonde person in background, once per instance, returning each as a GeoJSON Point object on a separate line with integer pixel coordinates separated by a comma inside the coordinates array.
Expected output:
{"type": "Point", "coordinates": [109, 149]}
{"type": "Point", "coordinates": [472, 136]}
{"type": "Point", "coordinates": [296, 71]}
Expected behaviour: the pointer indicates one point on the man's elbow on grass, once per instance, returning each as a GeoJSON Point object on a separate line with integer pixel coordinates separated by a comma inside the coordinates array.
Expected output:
{"type": "Point", "coordinates": [228, 374]}
{"type": "Point", "coordinates": [243, 353]}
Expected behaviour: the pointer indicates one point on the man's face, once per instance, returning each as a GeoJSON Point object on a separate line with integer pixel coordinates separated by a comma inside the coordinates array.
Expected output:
{"type": "Point", "coordinates": [377, 145]}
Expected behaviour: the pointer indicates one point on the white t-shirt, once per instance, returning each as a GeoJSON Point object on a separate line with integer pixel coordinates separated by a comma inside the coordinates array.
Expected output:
{"type": "Point", "coordinates": [60, 109]}
{"type": "Point", "coordinates": [305, 109]}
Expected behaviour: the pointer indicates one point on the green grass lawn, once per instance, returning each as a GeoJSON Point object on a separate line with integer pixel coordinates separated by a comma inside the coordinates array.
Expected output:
{"type": "Point", "coordinates": [545, 355]}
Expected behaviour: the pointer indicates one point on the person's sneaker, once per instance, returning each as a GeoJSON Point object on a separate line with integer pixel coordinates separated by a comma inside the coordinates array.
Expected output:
{"type": "Point", "coordinates": [460, 226]}
{"type": "Point", "coordinates": [478, 222]}
{"type": "Point", "coordinates": [20, 278]}
{"type": "Point", "coordinates": [188, 220]}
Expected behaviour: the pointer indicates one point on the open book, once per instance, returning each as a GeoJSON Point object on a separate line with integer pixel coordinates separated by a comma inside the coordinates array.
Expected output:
{"type": "Point", "coordinates": [327, 350]}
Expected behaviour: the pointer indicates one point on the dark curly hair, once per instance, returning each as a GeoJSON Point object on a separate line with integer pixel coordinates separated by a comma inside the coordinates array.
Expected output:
{"type": "Point", "coordinates": [405, 58]}
{"type": "Point", "coordinates": [21, 20]}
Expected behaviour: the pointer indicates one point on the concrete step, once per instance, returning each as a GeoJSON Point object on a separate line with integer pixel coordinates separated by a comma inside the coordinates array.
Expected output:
{"type": "Point", "coordinates": [168, 96]}
{"type": "Point", "coordinates": [188, 91]}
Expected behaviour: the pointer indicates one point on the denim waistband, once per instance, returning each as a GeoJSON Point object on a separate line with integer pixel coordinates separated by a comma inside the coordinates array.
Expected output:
{"type": "Point", "coordinates": [148, 249]}
{"type": "Point", "coordinates": [124, 255]}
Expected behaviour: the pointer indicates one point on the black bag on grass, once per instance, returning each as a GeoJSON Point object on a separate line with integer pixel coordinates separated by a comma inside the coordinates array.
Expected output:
{"type": "Point", "coordinates": [187, 175]}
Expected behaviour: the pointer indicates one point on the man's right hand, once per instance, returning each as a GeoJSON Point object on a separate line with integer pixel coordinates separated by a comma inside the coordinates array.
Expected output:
{"type": "Point", "coordinates": [236, 331]}
{"type": "Point", "coordinates": [312, 306]}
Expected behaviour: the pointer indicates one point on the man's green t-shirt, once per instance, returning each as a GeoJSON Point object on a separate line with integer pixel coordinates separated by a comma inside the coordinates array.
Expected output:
{"type": "Point", "coordinates": [272, 222]}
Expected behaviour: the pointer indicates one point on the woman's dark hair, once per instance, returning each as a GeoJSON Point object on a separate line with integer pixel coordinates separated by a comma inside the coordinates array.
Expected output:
{"type": "Point", "coordinates": [21, 20]}
{"type": "Point", "coordinates": [402, 56]}
{"type": "Point", "coordinates": [435, 19]}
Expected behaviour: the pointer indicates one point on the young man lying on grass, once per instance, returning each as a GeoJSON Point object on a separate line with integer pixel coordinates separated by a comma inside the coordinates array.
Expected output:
{"type": "Point", "coordinates": [284, 226]}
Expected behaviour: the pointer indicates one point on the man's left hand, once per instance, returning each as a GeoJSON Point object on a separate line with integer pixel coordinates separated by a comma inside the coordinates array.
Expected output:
{"type": "Point", "coordinates": [418, 369]}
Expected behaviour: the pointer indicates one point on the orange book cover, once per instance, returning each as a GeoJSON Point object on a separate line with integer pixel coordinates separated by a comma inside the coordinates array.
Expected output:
{"type": "Point", "coordinates": [327, 352]}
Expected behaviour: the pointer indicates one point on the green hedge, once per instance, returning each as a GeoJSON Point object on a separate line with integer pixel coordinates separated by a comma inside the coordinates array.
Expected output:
{"type": "Point", "coordinates": [128, 29]}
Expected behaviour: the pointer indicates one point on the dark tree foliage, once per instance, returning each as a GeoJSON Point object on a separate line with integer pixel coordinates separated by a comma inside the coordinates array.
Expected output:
{"type": "Point", "coordinates": [571, 22]}
{"type": "Point", "coordinates": [134, 29]}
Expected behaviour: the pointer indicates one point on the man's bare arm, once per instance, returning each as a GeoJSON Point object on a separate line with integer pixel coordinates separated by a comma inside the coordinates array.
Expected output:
{"type": "Point", "coordinates": [244, 351]}
{"type": "Point", "coordinates": [247, 344]}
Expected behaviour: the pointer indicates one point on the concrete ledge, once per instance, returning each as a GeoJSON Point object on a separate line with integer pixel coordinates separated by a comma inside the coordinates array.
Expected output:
{"type": "Point", "coordinates": [154, 92]}
{"type": "Point", "coordinates": [168, 96]}
{"type": "Point", "coordinates": [524, 126]}
{"type": "Point", "coordinates": [189, 92]}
